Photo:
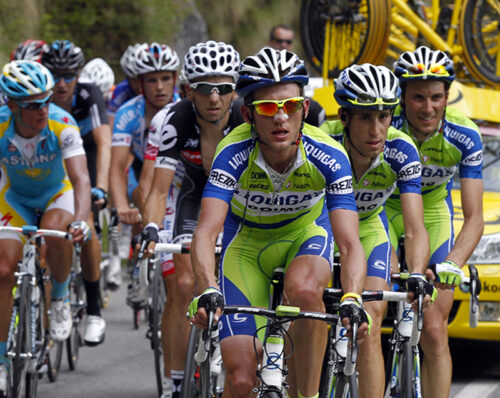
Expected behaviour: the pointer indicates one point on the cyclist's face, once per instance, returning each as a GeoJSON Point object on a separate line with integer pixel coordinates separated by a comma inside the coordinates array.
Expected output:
{"type": "Point", "coordinates": [158, 87]}
{"type": "Point", "coordinates": [65, 84]}
{"type": "Point", "coordinates": [425, 102]}
{"type": "Point", "coordinates": [278, 132]}
{"type": "Point", "coordinates": [213, 106]}
{"type": "Point", "coordinates": [368, 130]}
{"type": "Point", "coordinates": [30, 122]}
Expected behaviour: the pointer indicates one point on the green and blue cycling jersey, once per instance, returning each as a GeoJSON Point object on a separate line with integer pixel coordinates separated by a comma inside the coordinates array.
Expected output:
{"type": "Point", "coordinates": [456, 145]}
{"type": "Point", "coordinates": [266, 227]}
{"type": "Point", "coordinates": [397, 166]}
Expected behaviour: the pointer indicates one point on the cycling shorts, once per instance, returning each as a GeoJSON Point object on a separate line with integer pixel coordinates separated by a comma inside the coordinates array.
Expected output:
{"type": "Point", "coordinates": [247, 263]}
{"type": "Point", "coordinates": [438, 220]}
{"type": "Point", "coordinates": [17, 210]}
{"type": "Point", "coordinates": [374, 236]}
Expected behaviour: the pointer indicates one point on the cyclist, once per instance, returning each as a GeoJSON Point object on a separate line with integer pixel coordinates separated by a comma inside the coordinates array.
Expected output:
{"type": "Point", "coordinates": [97, 71]}
{"type": "Point", "coordinates": [127, 88]}
{"type": "Point", "coordinates": [381, 159]}
{"type": "Point", "coordinates": [156, 69]}
{"type": "Point", "coordinates": [268, 185]}
{"type": "Point", "coordinates": [43, 168]}
{"type": "Point", "coordinates": [447, 141]}
{"type": "Point", "coordinates": [29, 50]}
{"type": "Point", "coordinates": [190, 131]}
{"type": "Point", "coordinates": [85, 103]}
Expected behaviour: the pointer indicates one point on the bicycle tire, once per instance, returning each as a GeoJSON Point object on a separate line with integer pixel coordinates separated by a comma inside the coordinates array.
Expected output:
{"type": "Point", "coordinates": [327, 367]}
{"type": "Point", "coordinates": [54, 359]}
{"type": "Point", "coordinates": [367, 24]}
{"type": "Point", "coordinates": [190, 382]}
{"type": "Point", "coordinates": [479, 34]}
{"type": "Point", "coordinates": [77, 300]}
{"type": "Point", "coordinates": [158, 301]}
{"type": "Point", "coordinates": [20, 363]}
{"type": "Point", "coordinates": [345, 386]}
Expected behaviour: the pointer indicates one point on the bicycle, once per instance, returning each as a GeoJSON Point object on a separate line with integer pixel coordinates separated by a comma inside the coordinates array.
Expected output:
{"type": "Point", "coordinates": [403, 364]}
{"type": "Point", "coordinates": [339, 33]}
{"type": "Point", "coordinates": [29, 342]}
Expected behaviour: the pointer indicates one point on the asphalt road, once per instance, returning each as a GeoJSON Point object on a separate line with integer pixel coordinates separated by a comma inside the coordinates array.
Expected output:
{"type": "Point", "coordinates": [122, 367]}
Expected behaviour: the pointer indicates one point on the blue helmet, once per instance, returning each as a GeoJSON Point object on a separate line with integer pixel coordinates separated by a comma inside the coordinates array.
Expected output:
{"type": "Point", "coordinates": [269, 67]}
{"type": "Point", "coordinates": [367, 87]}
{"type": "Point", "coordinates": [25, 78]}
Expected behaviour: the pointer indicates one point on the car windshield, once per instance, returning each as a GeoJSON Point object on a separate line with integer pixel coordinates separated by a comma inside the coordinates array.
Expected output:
{"type": "Point", "coordinates": [491, 164]}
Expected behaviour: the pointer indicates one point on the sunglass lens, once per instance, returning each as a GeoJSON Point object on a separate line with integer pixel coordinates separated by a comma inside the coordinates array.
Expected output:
{"type": "Point", "coordinates": [266, 108]}
{"type": "Point", "coordinates": [292, 106]}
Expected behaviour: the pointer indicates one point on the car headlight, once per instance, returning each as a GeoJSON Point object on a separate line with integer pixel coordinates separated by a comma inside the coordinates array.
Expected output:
{"type": "Point", "coordinates": [487, 250]}
{"type": "Point", "coordinates": [489, 311]}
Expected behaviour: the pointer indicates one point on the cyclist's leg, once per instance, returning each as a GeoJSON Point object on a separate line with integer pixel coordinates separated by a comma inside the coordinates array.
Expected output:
{"type": "Point", "coordinates": [305, 280]}
{"type": "Point", "coordinates": [374, 236]}
{"type": "Point", "coordinates": [240, 362]}
{"type": "Point", "coordinates": [437, 363]}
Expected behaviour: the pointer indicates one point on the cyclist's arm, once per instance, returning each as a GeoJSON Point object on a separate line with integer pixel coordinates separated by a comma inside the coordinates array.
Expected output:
{"type": "Point", "coordinates": [416, 237]}
{"type": "Point", "coordinates": [102, 138]}
{"type": "Point", "coordinates": [154, 207]}
{"type": "Point", "coordinates": [119, 184]}
{"type": "Point", "coordinates": [472, 229]}
{"type": "Point", "coordinates": [212, 216]}
{"type": "Point", "coordinates": [145, 181]}
{"type": "Point", "coordinates": [345, 226]}
{"type": "Point", "coordinates": [76, 167]}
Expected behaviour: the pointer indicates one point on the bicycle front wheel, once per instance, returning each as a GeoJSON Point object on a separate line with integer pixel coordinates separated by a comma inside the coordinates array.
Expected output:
{"type": "Point", "coordinates": [22, 340]}
{"type": "Point", "coordinates": [480, 34]}
{"type": "Point", "coordinates": [345, 386]}
{"type": "Point", "coordinates": [77, 300]}
{"type": "Point", "coordinates": [191, 382]}
{"type": "Point", "coordinates": [158, 301]}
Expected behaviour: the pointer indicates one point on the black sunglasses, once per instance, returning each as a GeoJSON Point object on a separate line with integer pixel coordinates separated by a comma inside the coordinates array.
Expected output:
{"type": "Point", "coordinates": [207, 88]}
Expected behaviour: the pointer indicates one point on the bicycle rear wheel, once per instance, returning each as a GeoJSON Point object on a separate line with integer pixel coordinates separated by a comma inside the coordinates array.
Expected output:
{"type": "Point", "coordinates": [355, 31]}
{"type": "Point", "coordinates": [158, 301]}
{"type": "Point", "coordinates": [480, 37]}
{"type": "Point", "coordinates": [54, 359]}
{"type": "Point", "coordinates": [22, 340]}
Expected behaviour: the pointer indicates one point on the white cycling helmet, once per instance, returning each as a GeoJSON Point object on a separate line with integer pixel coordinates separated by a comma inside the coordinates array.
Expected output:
{"type": "Point", "coordinates": [155, 58]}
{"type": "Point", "coordinates": [424, 64]}
{"type": "Point", "coordinates": [29, 50]}
{"type": "Point", "coordinates": [211, 58]}
{"type": "Point", "coordinates": [268, 67]}
{"type": "Point", "coordinates": [367, 87]}
{"type": "Point", "coordinates": [127, 61]}
{"type": "Point", "coordinates": [97, 71]}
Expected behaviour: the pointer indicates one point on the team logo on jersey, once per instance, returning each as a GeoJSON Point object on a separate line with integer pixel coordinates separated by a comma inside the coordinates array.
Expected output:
{"type": "Point", "coordinates": [193, 143]}
{"type": "Point", "coordinates": [12, 148]}
{"type": "Point", "coordinates": [366, 183]}
{"type": "Point", "coordinates": [322, 156]}
{"type": "Point", "coordinates": [341, 186]}
{"type": "Point", "coordinates": [410, 171]}
{"type": "Point", "coordinates": [474, 159]}
{"type": "Point", "coordinates": [396, 154]}
{"type": "Point", "coordinates": [239, 158]}
{"type": "Point", "coordinates": [425, 158]}
{"type": "Point", "coordinates": [462, 138]}
{"type": "Point", "coordinates": [221, 179]}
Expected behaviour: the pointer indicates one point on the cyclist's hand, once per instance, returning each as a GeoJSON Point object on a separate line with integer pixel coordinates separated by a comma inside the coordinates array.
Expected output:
{"type": "Point", "coordinates": [99, 197]}
{"type": "Point", "coordinates": [347, 308]}
{"type": "Point", "coordinates": [129, 215]}
{"type": "Point", "coordinates": [149, 238]}
{"type": "Point", "coordinates": [80, 230]}
{"type": "Point", "coordinates": [210, 300]}
{"type": "Point", "coordinates": [447, 274]}
{"type": "Point", "coordinates": [412, 286]}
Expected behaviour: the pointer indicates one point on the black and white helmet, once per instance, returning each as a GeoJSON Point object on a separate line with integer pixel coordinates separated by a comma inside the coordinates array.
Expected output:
{"type": "Point", "coordinates": [29, 50]}
{"type": "Point", "coordinates": [63, 54]}
{"type": "Point", "coordinates": [155, 58]}
{"type": "Point", "coordinates": [424, 64]}
{"type": "Point", "coordinates": [367, 86]}
{"type": "Point", "coordinates": [269, 67]}
{"type": "Point", "coordinates": [211, 59]}
{"type": "Point", "coordinates": [127, 61]}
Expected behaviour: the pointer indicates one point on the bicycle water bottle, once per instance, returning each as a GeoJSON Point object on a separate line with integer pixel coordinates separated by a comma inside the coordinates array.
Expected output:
{"type": "Point", "coordinates": [272, 361]}
{"type": "Point", "coordinates": [341, 339]}
{"type": "Point", "coordinates": [405, 318]}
